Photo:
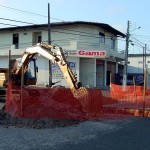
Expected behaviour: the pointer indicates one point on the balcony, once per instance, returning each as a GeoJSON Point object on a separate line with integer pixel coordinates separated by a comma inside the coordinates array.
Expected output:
{"type": "Point", "coordinates": [116, 54]}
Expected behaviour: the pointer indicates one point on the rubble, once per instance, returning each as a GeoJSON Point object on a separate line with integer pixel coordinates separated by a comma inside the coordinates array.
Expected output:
{"type": "Point", "coordinates": [7, 120]}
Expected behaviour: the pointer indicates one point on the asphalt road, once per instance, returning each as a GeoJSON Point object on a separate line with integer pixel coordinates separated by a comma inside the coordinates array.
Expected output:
{"type": "Point", "coordinates": [130, 134]}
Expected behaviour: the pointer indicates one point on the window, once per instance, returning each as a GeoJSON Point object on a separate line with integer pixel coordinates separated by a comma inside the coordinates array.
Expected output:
{"type": "Point", "coordinates": [148, 61]}
{"type": "Point", "coordinates": [128, 62]}
{"type": "Point", "coordinates": [36, 37]}
{"type": "Point", "coordinates": [39, 39]}
{"type": "Point", "coordinates": [31, 69]}
{"type": "Point", "coordinates": [112, 43]}
{"type": "Point", "coordinates": [15, 40]}
{"type": "Point", "coordinates": [102, 37]}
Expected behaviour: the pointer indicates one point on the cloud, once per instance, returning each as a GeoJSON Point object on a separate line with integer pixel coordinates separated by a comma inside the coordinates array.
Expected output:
{"type": "Point", "coordinates": [113, 10]}
{"type": "Point", "coordinates": [3, 2]}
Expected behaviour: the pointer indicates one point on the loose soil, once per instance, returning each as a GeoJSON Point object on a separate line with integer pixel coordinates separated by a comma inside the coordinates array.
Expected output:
{"type": "Point", "coordinates": [7, 120]}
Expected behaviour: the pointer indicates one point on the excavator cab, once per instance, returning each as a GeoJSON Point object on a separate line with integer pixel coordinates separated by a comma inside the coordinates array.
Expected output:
{"type": "Point", "coordinates": [30, 76]}
{"type": "Point", "coordinates": [29, 73]}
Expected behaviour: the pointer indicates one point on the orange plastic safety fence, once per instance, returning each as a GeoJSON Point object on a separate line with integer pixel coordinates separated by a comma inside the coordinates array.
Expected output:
{"type": "Point", "coordinates": [57, 103]}
{"type": "Point", "coordinates": [130, 99]}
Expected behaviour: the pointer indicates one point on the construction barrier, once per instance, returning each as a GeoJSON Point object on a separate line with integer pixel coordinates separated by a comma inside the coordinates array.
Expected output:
{"type": "Point", "coordinates": [130, 99]}
{"type": "Point", "coordinates": [59, 103]}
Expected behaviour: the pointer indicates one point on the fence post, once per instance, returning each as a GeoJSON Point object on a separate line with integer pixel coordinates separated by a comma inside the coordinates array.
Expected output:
{"type": "Point", "coordinates": [22, 84]}
{"type": "Point", "coordinates": [144, 91]}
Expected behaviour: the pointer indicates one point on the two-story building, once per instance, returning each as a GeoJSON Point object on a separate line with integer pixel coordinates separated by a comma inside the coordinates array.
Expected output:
{"type": "Point", "coordinates": [92, 50]}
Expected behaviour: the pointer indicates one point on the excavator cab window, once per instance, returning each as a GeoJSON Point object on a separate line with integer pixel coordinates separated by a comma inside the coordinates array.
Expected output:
{"type": "Point", "coordinates": [31, 74]}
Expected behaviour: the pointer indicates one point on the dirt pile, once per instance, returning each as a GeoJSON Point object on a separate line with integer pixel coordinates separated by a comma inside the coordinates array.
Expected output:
{"type": "Point", "coordinates": [6, 120]}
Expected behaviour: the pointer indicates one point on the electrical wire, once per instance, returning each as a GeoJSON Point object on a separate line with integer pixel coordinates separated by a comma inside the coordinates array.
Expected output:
{"type": "Point", "coordinates": [86, 34]}
{"type": "Point", "coordinates": [22, 11]}
{"type": "Point", "coordinates": [27, 12]}
{"type": "Point", "coordinates": [9, 24]}
{"type": "Point", "coordinates": [81, 32]}
{"type": "Point", "coordinates": [15, 21]}
{"type": "Point", "coordinates": [32, 23]}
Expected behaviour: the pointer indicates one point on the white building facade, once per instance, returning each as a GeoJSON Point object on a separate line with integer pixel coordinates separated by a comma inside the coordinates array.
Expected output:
{"type": "Point", "coordinates": [137, 63]}
{"type": "Point", "coordinates": [92, 50]}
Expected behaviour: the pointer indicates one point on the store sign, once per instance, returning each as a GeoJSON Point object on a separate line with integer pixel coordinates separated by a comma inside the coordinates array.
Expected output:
{"type": "Point", "coordinates": [71, 52]}
{"type": "Point", "coordinates": [86, 53]}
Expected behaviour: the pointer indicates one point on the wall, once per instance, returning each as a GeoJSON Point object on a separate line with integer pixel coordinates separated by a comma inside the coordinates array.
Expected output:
{"type": "Point", "coordinates": [134, 61]}
{"type": "Point", "coordinates": [90, 39]}
{"type": "Point", "coordinates": [70, 38]}
{"type": "Point", "coordinates": [25, 39]}
{"type": "Point", "coordinates": [87, 71]}
{"type": "Point", "coordinates": [134, 66]}
{"type": "Point", "coordinates": [58, 76]}
{"type": "Point", "coordinates": [43, 73]}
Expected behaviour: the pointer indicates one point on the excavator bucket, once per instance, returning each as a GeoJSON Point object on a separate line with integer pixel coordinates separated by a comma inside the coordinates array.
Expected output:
{"type": "Point", "coordinates": [90, 100]}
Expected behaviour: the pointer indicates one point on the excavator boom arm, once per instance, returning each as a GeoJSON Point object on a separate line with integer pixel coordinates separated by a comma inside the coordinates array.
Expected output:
{"type": "Point", "coordinates": [55, 57]}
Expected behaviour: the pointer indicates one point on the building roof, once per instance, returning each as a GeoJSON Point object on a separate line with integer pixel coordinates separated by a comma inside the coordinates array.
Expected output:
{"type": "Point", "coordinates": [107, 27]}
{"type": "Point", "coordinates": [137, 55]}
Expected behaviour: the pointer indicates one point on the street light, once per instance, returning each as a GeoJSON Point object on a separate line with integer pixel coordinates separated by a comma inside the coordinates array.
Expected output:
{"type": "Point", "coordinates": [135, 29]}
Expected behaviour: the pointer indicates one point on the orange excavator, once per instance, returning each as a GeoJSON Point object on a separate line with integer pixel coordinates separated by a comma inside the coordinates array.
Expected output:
{"type": "Point", "coordinates": [56, 55]}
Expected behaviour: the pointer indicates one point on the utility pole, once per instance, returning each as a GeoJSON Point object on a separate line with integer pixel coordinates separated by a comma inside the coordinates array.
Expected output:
{"type": "Point", "coordinates": [49, 42]}
{"type": "Point", "coordinates": [126, 57]}
{"type": "Point", "coordinates": [143, 60]}
{"type": "Point", "coordinates": [145, 79]}
{"type": "Point", "coordinates": [145, 55]}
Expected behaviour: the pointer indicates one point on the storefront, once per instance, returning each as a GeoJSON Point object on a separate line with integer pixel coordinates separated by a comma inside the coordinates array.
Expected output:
{"type": "Point", "coordinates": [92, 68]}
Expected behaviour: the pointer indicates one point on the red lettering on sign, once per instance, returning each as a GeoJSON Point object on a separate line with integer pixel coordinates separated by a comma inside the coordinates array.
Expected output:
{"type": "Point", "coordinates": [81, 52]}
{"type": "Point", "coordinates": [91, 53]}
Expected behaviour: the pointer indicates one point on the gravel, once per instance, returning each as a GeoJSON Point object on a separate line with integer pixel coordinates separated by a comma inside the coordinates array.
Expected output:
{"type": "Point", "coordinates": [7, 120]}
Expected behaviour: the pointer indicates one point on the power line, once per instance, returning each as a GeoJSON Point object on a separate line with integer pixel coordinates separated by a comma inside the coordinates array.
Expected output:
{"type": "Point", "coordinates": [8, 24]}
{"type": "Point", "coordinates": [87, 34]}
{"type": "Point", "coordinates": [26, 44]}
{"type": "Point", "coordinates": [23, 11]}
{"type": "Point", "coordinates": [142, 36]}
{"type": "Point", "coordinates": [81, 35]}
{"type": "Point", "coordinates": [27, 12]}
{"type": "Point", "coordinates": [54, 30]}
{"type": "Point", "coordinates": [15, 20]}
{"type": "Point", "coordinates": [138, 40]}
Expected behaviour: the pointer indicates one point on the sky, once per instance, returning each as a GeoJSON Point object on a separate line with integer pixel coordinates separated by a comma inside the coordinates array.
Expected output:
{"type": "Point", "coordinates": [116, 13]}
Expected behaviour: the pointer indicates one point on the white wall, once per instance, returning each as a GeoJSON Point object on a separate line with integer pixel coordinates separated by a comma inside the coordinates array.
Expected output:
{"type": "Point", "coordinates": [3, 62]}
{"type": "Point", "coordinates": [43, 74]}
{"type": "Point", "coordinates": [87, 71]}
{"type": "Point", "coordinates": [68, 37]}
{"type": "Point", "coordinates": [135, 64]}
{"type": "Point", "coordinates": [58, 76]}
{"type": "Point", "coordinates": [43, 71]}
